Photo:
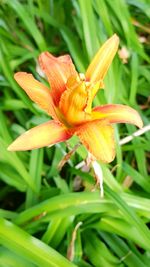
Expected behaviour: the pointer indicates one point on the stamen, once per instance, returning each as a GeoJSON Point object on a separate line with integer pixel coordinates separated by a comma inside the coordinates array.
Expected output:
{"type": "Point", "coordinates": [82, 76]}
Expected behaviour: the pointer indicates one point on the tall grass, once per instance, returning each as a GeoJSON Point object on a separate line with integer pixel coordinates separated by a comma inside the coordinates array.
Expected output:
{"type": "Point", "coordinates": [40, 205]}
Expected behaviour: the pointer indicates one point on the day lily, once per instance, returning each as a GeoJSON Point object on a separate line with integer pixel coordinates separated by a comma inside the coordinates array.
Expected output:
{"type": "Point", "coordinates": [69, 103]}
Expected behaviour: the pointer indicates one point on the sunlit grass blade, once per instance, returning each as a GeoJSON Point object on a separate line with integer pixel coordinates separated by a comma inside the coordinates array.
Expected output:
{"type": "Point", "coordinates": [89, 27]}
{"type": "Point", "coordinates": [30, 247]}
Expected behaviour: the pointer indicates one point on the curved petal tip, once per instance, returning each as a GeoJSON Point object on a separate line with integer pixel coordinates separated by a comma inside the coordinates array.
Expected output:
{"type": "Point", "coordinates": [116, 113]}
{"type": "Point", "coordinates": [100, 64]}
{"type": "Point", "coordinates": [46, 134]}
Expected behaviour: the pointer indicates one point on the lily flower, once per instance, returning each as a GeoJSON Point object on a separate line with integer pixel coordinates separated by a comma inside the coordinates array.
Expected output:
{"type": "Point", "coordinates": [69, 103]}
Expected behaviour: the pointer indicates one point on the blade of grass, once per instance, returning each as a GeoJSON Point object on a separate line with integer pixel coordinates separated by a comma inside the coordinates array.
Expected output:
{"type": "Point", "coordinates": [89, 27]}
{"type": "Point", "coordinates": [130, 215]}
{"type": "Point", "coordinates": [9, 75]}
{"type": "Point", "coordinates": [137, 177]}
{"type": "Point", "coordinates": [30, 247]}
{"type": "Point", "coordinates": [35, 171]}
{"type": "Point", "coordinates": [29, 23]}
{"type": "Point", "coordinates": [122, 250]}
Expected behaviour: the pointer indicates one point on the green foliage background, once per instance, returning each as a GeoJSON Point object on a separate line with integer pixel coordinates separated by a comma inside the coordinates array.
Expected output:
{"type": "Point", "coordinates": [39, 206]}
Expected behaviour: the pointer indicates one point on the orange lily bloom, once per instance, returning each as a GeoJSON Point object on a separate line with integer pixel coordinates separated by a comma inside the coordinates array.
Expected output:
{"type": "Point", "coordinates": [69, 103]}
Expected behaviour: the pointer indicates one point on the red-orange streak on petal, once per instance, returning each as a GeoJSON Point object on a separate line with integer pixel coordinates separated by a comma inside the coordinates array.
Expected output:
{"type": "Point", "coordinates": [98, 138]}
{"type": "Point", "coordinates": [117, 114]}
{"type": "Point", "coordinates": [38, 92]}
{"type": "Point", "coordinates": [57, 70]}
{"type": "Point", "coordinates": [46, 134]}
{"type": "Point", "coordinates": [102, 60]}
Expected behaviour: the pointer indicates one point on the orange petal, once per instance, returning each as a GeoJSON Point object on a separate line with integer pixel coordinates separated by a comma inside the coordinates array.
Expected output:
{"type": "Point", "coordinates": [46, 134]}
{"type": "Point", "coordinates": [57, 70]}
{"type": "Point", "coordinates": [98, 138]}
{"type": "Point", "coordinates": [102, 60]}
{"type": "Point", "coordinates": [73, 102]}
{"type": "Point", "coordinates": [117, 114]}
{"type": "Point", "coordinates": [38, 92]}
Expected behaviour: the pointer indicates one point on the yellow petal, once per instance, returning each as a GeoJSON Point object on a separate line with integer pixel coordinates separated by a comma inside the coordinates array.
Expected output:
{"type": "Point", "coordinates": [92, 90]}
{"type": "Point", "coordinates": [102, 60]}
{"type": "Point", "coordinates": [37, 91]}
{"type": "Point", "coordinates": [98, 138]}
{"type": "Point", "coordinates": [46, 134]}
{"type": "Point", "coordinates": [57, 70]}
{"type": "Point", "coordinates": [74, 101]}
{"type": "Point", "coordinates": [117, 114]}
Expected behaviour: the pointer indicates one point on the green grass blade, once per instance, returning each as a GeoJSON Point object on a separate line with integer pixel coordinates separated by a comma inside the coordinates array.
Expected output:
{"type": "Point", "coordinates": [31, 248]}
{"type": "Point", "coordinates": [29, 23]}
